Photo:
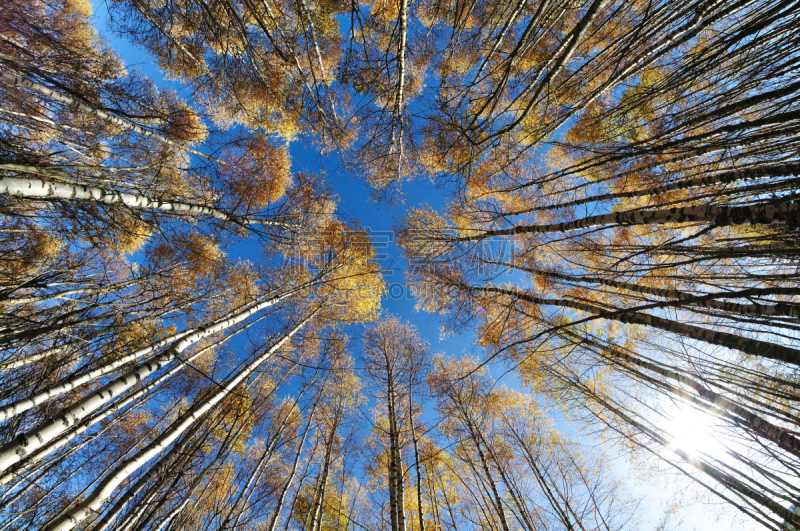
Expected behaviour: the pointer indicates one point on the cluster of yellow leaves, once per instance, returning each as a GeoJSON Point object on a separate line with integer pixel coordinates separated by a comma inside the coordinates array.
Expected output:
{"type": "Point", "coordinates": [385, 12]}
{"type": "Point", "coordinates": [199, 254]}
{"type": "Point", "coordinates": [242, 279]}
{"type": "Point", "coordinates": [217, 489]}
{"type": "Point", "coordinates": [238, 414]}
{"type": "Point", "coordinates": [130, 235]}
{"type": "Point", "coordinates": [183, 124]}
{"type": "Point", "coordinates": [355, 285]}
{"type": "Point", "coordinates": [335, 506]}
{"type": "Point", "coordinates": [31, 250]}
{"type": "Point", "coordinates": [138, 334]}
{"type": "Point", "coordinates": [260, 173]}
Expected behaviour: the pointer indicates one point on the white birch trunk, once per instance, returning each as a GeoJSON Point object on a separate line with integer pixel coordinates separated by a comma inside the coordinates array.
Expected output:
{"type": "Point", "coordinates": [15, 408]}
{"type": "Point", "coordinates": [397, 118]}
{"type": "Point", "coordinates": [59, 442]}
{"type": "Point", "coordinates": [38, 188]}
{"type": "Point", "coordinates": [94, 502]}
{"type": "Point", "coordinates": [277, 513]}
{"type": "Point", "coordinates": [45, 432]}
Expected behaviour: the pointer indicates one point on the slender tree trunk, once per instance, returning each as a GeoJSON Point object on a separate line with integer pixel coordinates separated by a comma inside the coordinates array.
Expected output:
{"type": "Point", "coordinates": [257, 471]}
{"type": "Point", "coordinates": [763, 427]}
{"type": "Point", "coordinates": [713, 215]}
{"type": "Point", "coordinates": [512, 491]}
{"type": "Point", "coordinates": [287, 485]}
{"type": "Point", "coordinates": [497, 502]}
{"type": "Point", "coordinates": [547, 488]}
{"type": "Point", "coordinates": [40, 435]}
{"type": "Point", "coordinates": [706, 300]}
{"type": "Point", "coordinates": [561, 56]}
{"type": "Point", "coordinates": [156, 472]}
{"type": "Point", "coordinates": [65, 294]}
{"type": "Point", "coordinates": [685, 184]}
{"type": "Point", "coordinates": [319, 498]}
{"type": "Point", "coordinates": [391, 459]}
{"type": "Point", "coordinates": [668, 43]}
{"type": "Point", "coordinates": [724, 339]}
{"type": "Point", "coordinates": [38, 188]}
{"type": "Point", "coordinates": [396, 464]}
{"type": "Point", "coordinates": [721, 477]}
{"type": "Point", "coordinates": [401, 491]}
{"type": "Point", "coordinates": [103, 491]}
{"type": "Point", "coordinates": [416, 458]}
{"type": "Point", "coordinates": [62, 440]}
{"type": "Point", "coordinates": [221, 454]}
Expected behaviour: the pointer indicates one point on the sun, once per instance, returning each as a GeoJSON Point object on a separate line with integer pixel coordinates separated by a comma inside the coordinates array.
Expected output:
{"type": "Point", "coordinates": [692, 431]}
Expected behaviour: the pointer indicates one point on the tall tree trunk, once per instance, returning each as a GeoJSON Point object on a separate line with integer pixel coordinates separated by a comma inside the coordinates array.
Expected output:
{"type": "Point", "coordinates": [416, 458]}
{"type": "Point", "coordinates": [724, 339]}
{"type": "Point", "coordinates": [706, 300]}
{"type": "Point", "coordinates": [106, 487]}
{"type": "Point", "coordinates": [187, 497]}
{"type": "Point", "coordinates": [498, 501]}
{"type": "Point", "coordinates": [79, 429]}
{"type": "Point", "coordinates": [37, 188]}
{"type": "Point", "coordinates": [717, 216]}
{"type": "Point", "coordinates": [319, 498]}
{"type": "Point", "coordinates": [396, 464]}
{"type": "Point", "coordinates": [561, 508]}
{"type": "Point", "coordinates": [684, 184]}
{"type": "Point", "coordinates": [761, 426]}
{"type": "Point", "coordinates": [287, 485]}
{"type": "Point", "coordinates": [40, 435]}
{"type": "Point", "coordinates": [245, 493]}
{"type": "Point", "coordinates": [721, 477]}
{"type": "Point", "coordinates": [558, 59]}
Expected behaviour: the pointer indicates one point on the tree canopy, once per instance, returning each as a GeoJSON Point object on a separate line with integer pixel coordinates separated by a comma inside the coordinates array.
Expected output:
{"type": "Point", "coordinates": [614, 226]}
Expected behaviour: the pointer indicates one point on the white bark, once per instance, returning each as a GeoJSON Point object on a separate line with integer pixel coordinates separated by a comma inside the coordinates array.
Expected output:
{"type": "Point", "coordinates": [397, 118]}
{"type": "Point", "coordinates": [88, 423]}
{"type": "Point", "coordinates": [313, 31]}
{"type": "Point", "coordinates": [38, 188]}
{"type": "Point", "coordinates": [27, 360]}
{"type": "Point", "coordinates": [45, 432]}
{"type": "Point", "coordinates": [276, 514]}
{"type": "Point", "coordinates": [20, 406]}
{"type": "Point", "coordinates": [94, 502]}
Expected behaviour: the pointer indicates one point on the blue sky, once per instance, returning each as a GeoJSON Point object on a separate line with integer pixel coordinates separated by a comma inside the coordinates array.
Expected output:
{"type": "Point", "coordinates": [355, 203]}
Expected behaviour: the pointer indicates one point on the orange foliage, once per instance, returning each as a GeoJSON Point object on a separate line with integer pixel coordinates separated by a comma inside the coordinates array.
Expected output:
{"type": "Point", "coordinates": [259, 173]}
